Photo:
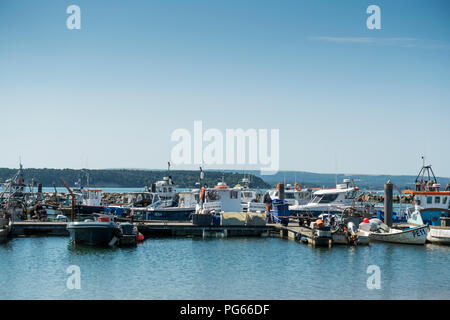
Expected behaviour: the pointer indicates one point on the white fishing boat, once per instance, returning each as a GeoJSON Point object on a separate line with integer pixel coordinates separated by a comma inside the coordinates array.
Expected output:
{"type": "Point", "coordinates": [222, 198]}
{"type": "Point", "coordinates": [431, 206]}
{"type": "Point", "coordinates": [330, 201]}
{"type": "Point", "coordinates": [252, 200]}
{"type": "Point", "coordinates": [378, 231]}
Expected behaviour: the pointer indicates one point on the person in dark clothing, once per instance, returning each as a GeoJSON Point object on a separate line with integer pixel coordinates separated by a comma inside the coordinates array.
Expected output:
{"type": "Point", "coordinates": [39, 212]}
{"type": "Point", "coordinates": [268, 202]}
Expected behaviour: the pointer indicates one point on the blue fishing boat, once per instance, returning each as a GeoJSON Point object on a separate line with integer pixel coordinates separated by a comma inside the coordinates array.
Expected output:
{"type": "Point", "coordinates": [431, 206]}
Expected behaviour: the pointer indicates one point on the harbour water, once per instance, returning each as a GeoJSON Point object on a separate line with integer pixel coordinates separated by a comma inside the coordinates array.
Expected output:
{"type": "Point", "coordinates": [232, 268]}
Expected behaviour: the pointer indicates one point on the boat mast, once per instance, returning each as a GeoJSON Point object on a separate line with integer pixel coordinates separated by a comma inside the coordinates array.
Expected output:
{"type": "Point", "coordinates": [423, 184]}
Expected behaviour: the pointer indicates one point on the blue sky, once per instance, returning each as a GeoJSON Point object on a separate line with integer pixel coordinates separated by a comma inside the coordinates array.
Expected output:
{"type": "Point", "coordinates": [345, 98]}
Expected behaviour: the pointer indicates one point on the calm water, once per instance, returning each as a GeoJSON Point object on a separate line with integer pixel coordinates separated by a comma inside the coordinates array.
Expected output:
{"type": "Point", "coordinates": [233, 268]}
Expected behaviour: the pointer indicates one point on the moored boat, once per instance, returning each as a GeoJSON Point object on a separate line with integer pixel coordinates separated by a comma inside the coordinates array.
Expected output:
{"type": "Point", "coordinates": [378, 231]}
{"type": "Point", "coordinates": [329, 201]}
{"type": "Point", "coordinates": [99, 232]}
{"type": "Point", "coordinates": [431, 207]}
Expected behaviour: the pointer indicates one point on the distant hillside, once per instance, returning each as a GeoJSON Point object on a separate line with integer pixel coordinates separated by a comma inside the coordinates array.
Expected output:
{"type": "Point", "coordinates": [328, 180]}
{"type": "Point", "coordinates": [129, 178]}
{"type": "Point", "coordinates": [126, 178]}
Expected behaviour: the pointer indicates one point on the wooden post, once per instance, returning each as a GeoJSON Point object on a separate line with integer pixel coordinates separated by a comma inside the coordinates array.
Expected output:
{"type": "Point", "coordinates": [281, 191]}
{"type": "Point", "coordinates": [388, 195]}
{"type": "Point", "coordinates": [72, 214]}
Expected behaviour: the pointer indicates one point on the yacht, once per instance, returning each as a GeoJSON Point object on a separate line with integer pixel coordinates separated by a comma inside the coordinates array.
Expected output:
{"type": "Point", "coordinates": [331, 201]}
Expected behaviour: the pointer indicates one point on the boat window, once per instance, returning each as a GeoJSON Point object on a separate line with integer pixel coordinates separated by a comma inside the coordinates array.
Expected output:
{"type": "Point", "coordinates": [437, 199]}
{"type": "Point", "coordinates": [213, 196]}
{"type": "Point", "coordinates": [429, 200]}
{"type": "Point", "coordinates": [233, 194]}
{"type": "Point", "coordinates": [289, 195]}
{"type": "Point", "coordinates": [316, 199]}
{"type": "Point", "coordinates": [444, 200]}
{"type": "Point", "coordinates": [327, 198]}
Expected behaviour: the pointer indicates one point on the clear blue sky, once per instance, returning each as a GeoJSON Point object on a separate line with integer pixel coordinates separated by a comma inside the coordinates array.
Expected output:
{"type": "Point", "coordinates": [345, 98]}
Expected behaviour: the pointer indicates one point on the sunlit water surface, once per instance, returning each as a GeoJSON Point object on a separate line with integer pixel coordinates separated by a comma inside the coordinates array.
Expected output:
{"type": "Point", "coordinates": [233, 268]}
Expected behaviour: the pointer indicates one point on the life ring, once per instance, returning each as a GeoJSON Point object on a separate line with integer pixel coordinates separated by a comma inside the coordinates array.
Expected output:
{"type": "Point", "coordinates": [297, 186]}
{"type": "Point", "coordinates": [278, 186]}
{"type": "Point", "coordinates": [202, 193]}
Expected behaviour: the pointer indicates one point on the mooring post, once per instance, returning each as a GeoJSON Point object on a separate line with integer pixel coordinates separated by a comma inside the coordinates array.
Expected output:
{"type": "Point", "coordinates": [388, 187]}
{"type": "Point", "coordinates": [281, 190]}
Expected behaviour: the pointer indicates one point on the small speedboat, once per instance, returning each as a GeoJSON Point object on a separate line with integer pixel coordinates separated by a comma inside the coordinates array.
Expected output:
{"type": "Point", "coordinates": [378, 231]}
{"type": "Point", "coordinates": [100, 232]}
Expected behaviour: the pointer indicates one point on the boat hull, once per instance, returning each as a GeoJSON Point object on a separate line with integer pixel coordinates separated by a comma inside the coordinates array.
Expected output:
{"type": "Point", "coordinates": [3, 235]}
{"type": "Point", "coordinates": [416, 235]}
{"type": "Point", "coordinates": [170, 214]}
{"type": "Point", "coordinates": [439, 235]}
{"type": "Point", "coordinates": [92, 233]}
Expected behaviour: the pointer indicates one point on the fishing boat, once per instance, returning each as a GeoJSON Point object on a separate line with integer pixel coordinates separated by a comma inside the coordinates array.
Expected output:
{"type": "Point", "coordinates": [252, 200]}
{"type": "Point", "coordinates": [162, 202]}
{"type": "Point", "coordinates": [378, 231]}
{"type": "Point", "coordinates": [222, 205]}
{"type": "Point", "coordinates": [180, 209]}
{"type": "Point", "coordinates": [329, 201]}
{"type": "Point", "coordinates": [431, 206]}
{"type": "Point", "coordinates": [221, 198]}
{"type": "Point", "coordinates": [102, 231]}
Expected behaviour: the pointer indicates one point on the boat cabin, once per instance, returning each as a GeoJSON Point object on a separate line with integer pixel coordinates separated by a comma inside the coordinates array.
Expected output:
{"type": "Point", "coordinates": [342, 194]}
{"type": "Point", "coordinates": [164, 188]}
{"type": "Point", "coordinates": [221, 199]}
{"type": "Point", "coordinates": [430, 204]}
{"type": "Point", "coordinates": [91, 197]}
{"type": "Point", "coordinates": [293, 196]}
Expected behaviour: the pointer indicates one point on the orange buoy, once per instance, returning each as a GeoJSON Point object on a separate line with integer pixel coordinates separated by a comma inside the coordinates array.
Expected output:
{"type": "Point", "coordinates": [140, 237]}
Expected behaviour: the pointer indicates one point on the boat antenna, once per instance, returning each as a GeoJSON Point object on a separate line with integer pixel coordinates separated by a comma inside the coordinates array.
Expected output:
{"type": "Point", "coordinates": [168, 172]}
{"type": "Point", "coordinates": [202, 176]}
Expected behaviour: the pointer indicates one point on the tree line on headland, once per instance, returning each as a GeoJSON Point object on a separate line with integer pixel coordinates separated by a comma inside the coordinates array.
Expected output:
{"type": "Point", "coordinates": [128, 178]}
